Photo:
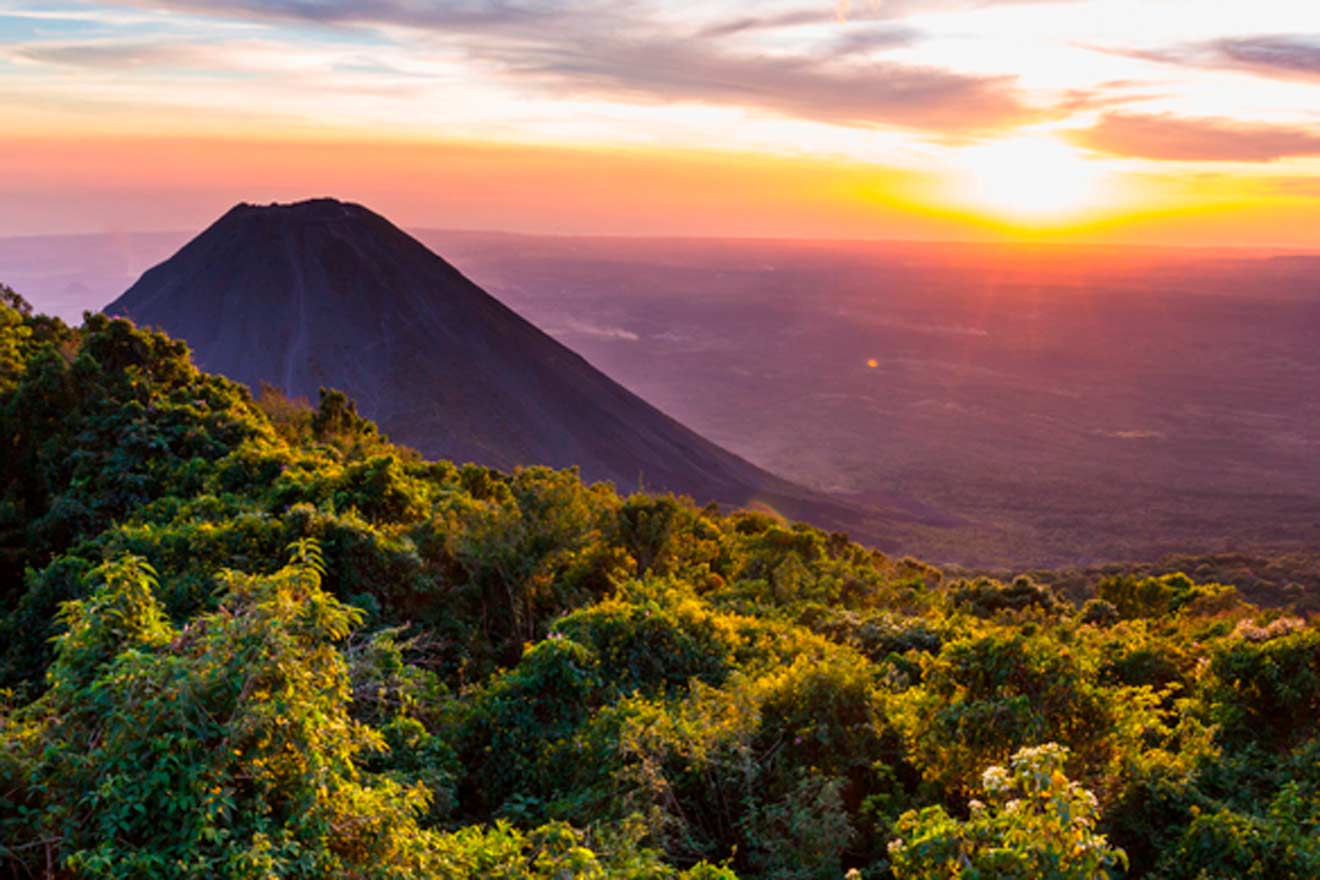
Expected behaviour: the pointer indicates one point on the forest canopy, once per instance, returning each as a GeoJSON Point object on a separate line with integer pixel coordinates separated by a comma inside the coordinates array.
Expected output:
{"type": "Point", "coordinates": [242, 636]}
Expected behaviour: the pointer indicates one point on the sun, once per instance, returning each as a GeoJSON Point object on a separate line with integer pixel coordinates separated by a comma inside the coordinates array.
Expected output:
{"type": "Point", "coordinates": [1028, 179]}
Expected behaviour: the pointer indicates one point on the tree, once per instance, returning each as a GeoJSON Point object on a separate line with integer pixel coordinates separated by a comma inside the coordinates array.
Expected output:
{"type": "Point", "coordinates": [1038, 825]}
{"type": "Point", "coordinates": [13, 334]}
{"type": "Point", "coordinates": [222, 749]}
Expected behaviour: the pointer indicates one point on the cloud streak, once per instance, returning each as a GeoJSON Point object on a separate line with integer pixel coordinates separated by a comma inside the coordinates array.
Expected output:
{"type": "Point", "coordinates": [1170, 138]}
{"type": "Point", "coordinates": [1284, 56]}
{"type": "Point", "coordinates": [465, 15]}
{"type": "Point", "coordinates": [757, 23]}
{"type": "Point", "coordinates": [1279, 56]}
{"type": "Point", "coordinates": [117, 55]}
{"type": "Point", "coordinates": [869, 93]}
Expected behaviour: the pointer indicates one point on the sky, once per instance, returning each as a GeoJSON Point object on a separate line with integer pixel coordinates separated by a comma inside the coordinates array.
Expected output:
{"type": "Point", "coordinates": [1185, 122]}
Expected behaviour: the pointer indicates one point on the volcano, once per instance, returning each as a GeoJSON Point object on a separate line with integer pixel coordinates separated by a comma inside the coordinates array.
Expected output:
{"type": "Point", "coordinates": [324, 293]}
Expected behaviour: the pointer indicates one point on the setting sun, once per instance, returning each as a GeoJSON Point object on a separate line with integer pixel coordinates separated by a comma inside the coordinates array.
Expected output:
{"type": "Point", "coordinates": [1028, 178]}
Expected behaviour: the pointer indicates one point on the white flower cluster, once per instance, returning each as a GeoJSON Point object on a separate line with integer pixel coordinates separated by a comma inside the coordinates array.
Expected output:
{"type": "Point", "coordinates": [995, 780]}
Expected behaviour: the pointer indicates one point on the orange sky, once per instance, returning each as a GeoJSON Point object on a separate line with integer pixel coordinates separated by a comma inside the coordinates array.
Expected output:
{"type": "Point", "coordinates": [122, 184]}
{"type": "Point", "coordinates": [1188, 122]}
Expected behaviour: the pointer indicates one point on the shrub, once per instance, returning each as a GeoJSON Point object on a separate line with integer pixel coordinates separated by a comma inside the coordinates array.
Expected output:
{"type": "Point", "coordinates": [1037, 825]}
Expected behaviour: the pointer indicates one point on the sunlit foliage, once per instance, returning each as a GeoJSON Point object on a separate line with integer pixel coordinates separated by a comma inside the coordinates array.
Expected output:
{"type": "Point", "coordinates": [1035, 824]}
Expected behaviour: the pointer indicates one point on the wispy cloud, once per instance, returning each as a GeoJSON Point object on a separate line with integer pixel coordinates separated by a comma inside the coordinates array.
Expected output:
{"type": "Point", "coordinates": [573, 327]}
{"type": "Point", "coordinates": [870, 39]}
{"type": "Point", "coordinates": [1282, 56]}
{"type": "Point", "coordinates": [755, 23]}
{"type": "Point", "coordinates": [218, 71]}
{"type": "Point", "coordinates": [466, 15]}
{"type": "Point", "coordinates": [1165, 137]}
{"type": "Point", "coordinates": [1105, 96]}
{"type": "Point", "coordinates": [1287, 56]}
{"type": "Point", "coordinates": [117, 54]}
{"type": "Point", "coordinates": [862, 9]}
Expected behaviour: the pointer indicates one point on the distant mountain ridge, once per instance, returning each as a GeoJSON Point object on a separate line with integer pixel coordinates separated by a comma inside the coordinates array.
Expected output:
{"type": "Point", "coordinates": [328, 293]}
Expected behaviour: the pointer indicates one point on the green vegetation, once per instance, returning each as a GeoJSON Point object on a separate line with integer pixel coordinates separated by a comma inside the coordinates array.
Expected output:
{"type": "Point", "coordinates": [244, 638]}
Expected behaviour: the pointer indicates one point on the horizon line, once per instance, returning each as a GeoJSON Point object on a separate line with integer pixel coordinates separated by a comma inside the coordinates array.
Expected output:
{"type": "Point", "coordinates": [1006, 242]}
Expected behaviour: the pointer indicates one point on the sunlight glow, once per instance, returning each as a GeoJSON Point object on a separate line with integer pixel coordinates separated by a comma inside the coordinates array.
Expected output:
{"type": "Point", "coordinates": [1033, 178]}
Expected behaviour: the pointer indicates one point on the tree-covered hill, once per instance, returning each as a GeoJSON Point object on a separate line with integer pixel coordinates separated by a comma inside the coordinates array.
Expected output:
{"type": "Point", "coordinates": [241, 637]}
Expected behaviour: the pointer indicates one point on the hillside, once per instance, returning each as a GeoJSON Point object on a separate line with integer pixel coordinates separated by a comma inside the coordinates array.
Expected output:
{"type": "Point", "coordinates": [245, 641]}
{"type": "Point", "coordinates": [328, 294]}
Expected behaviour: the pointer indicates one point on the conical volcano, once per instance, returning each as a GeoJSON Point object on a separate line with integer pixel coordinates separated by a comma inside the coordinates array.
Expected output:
{"type": "Point", "coordinates": [326, 293]}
